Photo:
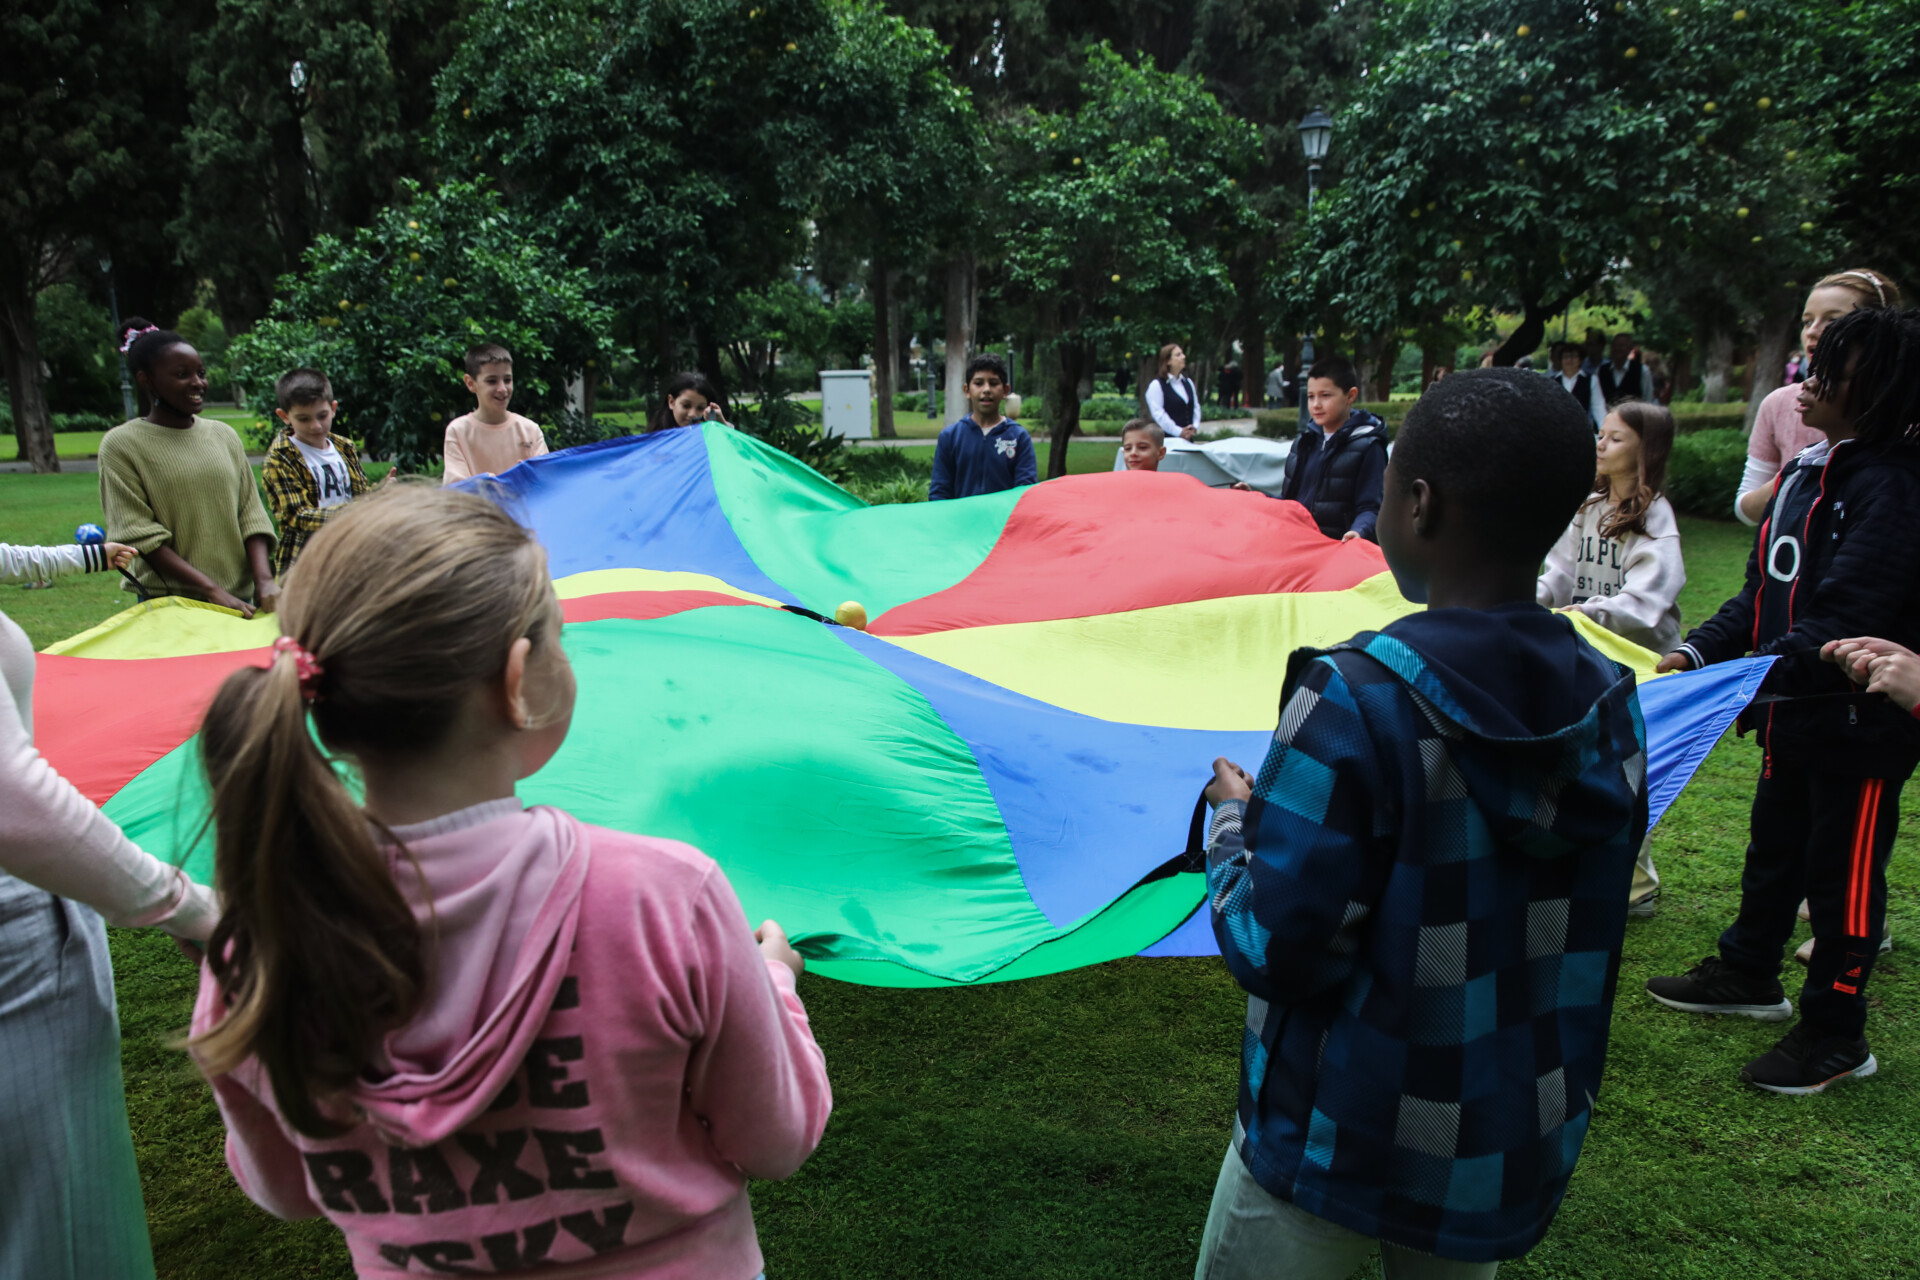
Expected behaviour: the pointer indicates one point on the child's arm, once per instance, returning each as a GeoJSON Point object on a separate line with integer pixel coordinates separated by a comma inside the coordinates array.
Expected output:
{"type": "Point", "coordinates": [1289, 879]}
{"type": "Point", "coordinates": [1728, 633]}
{"type": "Point", "coordinates": [357, 482]}
{"type": "Point", "coordinates": [1865, 590]}
{"type": "Point", "coordinates": [757, 1077]}
{"type": "Point", "coordinates": [1026, 464]}
{"type": "Point", "coordinates": [1371, 489]}
{"type": "Point", "coordinates": [256, 527]}
{"type": "Point", "coordinates": [941, 486]}
{"type": "Point", "coordinates": [1554, 590]}
{"type": "Point", "coordinates": [539, 445]}
{"type": "Point", "coordinates": [264, 1162]}
{"type": "Point", "coordinates": [454, 454]}
{"type": "Point", "coordinates": [43, 564]}
{"type": "Point", "coordinates": [1654, 575]}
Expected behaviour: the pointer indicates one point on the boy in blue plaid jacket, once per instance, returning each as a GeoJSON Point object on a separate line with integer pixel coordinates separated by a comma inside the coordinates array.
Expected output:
{"type": "Point", "coordinates": [1421, 889]}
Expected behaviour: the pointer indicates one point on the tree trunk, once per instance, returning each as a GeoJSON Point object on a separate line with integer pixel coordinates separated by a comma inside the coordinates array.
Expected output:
{"type": "Point", "coordinates": [1253, 365]}
{"type": "Point", "coordinates": [1433, 358]}
{"type": "Point", "coordinates": [882, 346]}
{"type": "Point", "coordinates": [1768, 367]}
{"type": "Point", "coordinates": [707, 352]}
{"type": "Point", "coordinates": [1525, 339]}
{"type": "Point", "coordinates": [902, 338]}
{"type": "Point", "coordinates": [960, 316]}
{"type": "Point", "coordinates": [26, 385]}
{"type": "Point", "coordinates": [1149, 370]}
{"type": "Point", "coordinates": [1026, 361]}
{"type": "Point", "coordinates": [1679, 376]}
{"type": "Point", "coordinates": [1718, 347]}
{"type": "Point", "coordinates": [1069, 358]}
{"type": "Point", "coordinates": [1386, 353]}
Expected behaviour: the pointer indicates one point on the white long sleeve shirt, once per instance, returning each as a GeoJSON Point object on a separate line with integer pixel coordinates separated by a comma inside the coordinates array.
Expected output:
{"type": "Point", "coordinates": [43, 564]}
{"type": "Point", "coordinates": [1631, 585]}
{"type": "Point", "coordinates": [1157, 403]}
{"type": "Point", "coordinates": [53, 837]}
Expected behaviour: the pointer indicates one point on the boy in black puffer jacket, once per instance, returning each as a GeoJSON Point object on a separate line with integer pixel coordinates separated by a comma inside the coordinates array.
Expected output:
{"type": "Point", "coordinates": [1835, 557]}
{"type": "Point", "coordinates": [1337, 471]}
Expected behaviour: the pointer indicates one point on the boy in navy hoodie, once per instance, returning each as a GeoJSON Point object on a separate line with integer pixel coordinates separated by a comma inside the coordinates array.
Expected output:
{"type": "Point", "coordinates": [1835, 557]}
{"type": "Point", "coordinates": [982, 452]}
{"type": "Point", "coordinates": [1421, 889]}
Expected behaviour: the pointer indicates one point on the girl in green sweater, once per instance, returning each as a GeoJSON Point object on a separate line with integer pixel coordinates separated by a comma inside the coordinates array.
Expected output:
{"type": "Point", "coordinates": [177, 487]}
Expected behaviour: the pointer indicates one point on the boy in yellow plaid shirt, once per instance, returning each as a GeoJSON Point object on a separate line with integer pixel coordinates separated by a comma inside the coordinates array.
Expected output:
{"type": "Point", "coordinates": [310, 473]}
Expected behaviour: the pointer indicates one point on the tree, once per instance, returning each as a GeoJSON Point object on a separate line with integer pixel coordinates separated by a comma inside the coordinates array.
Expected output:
{"type": "Point", "coordinates": [899, 136]}
{"type": "Point", "coordinates": [670, 149]}
{"type": "Point", "coordinates": [1119, 219]}
{"type": "Point", "coordinates": [305, 118]}
{"type": "Point", "coordinates": [74, 128]}
{"type": "Point", "coordinates": [388, 312]}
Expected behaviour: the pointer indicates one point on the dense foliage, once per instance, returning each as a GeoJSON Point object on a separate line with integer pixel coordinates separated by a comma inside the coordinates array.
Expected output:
{"type": "Point", "coordinates": [388, 312]}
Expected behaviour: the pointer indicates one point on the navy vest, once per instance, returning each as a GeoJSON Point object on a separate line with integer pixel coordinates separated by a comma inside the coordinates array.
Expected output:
{"type": "Point", "coordinates": [1333, 503]}
{"type": "Point", "coordinates": [1625, 388]}
{"type": "Point", "coordinates": [1181, 411]}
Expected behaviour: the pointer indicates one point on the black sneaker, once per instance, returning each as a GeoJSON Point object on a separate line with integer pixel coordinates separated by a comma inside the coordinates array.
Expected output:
{"type": "Point", "coordinates": [1714, 986]}
{"type": "Point", "coordinates": [1806, 1062]}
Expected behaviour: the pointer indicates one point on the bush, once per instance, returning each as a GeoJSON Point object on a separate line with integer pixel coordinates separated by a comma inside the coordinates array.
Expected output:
{"type": "Point", "coordinates": [794, 428]}
{"type": "Point", "coordinates": [1106, 408]}
{"type": "Point", "coordinates": [1704, 471]}
{"type": "Point", "coordinates": [387, 313]}
{"type": "Point", "coordinates": [76, 342]}
{"type": "Point", "coordinates": [1276, 424]}
{"type": "Point", "coordinates": [880, 493]}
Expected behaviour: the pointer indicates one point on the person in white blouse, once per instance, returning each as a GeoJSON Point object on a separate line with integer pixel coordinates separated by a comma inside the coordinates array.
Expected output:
{"type": "Point", "coordinates": [1172, 400]}
{"type": "Point", "coordinates": [1584, 387]}
{"type": "Point", "coordinates": [70, 1204]}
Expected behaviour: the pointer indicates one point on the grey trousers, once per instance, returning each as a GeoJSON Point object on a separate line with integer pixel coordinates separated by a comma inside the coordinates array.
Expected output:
{"type": "Point", "coordinates": [70, 1205]}
{"type": "Point", "coordinates": [1252, 1234]}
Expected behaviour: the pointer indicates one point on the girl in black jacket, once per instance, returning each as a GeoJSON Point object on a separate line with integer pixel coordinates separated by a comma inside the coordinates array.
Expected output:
{"type": "Point", "coordinates": [1836, 557]}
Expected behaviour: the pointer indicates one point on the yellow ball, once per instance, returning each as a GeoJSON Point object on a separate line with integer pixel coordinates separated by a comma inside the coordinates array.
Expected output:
{"type": "Point", "coordinates": [851, 614]}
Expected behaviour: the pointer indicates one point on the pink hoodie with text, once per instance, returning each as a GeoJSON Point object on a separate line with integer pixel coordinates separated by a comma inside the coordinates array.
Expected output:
{"type": "Point", "coordinates": [603, 1059]}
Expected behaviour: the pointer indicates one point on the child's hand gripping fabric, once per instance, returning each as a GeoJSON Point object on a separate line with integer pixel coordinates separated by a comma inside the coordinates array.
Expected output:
{"type": "Point", "coordinates": [1881, 665]}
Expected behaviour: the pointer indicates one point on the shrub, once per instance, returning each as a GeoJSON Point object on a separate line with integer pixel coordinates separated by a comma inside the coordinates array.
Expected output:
{"type": "Point", "coordinates": [1704, 471]}
{"type": "Point", "coordinates": [1276, 424]}
{"type": "Point", "coordinates": [76, 344]}
{"type": "Point", "coordinates": [387, 313]}
{"type": "Point", "coordinates": [794, 428]}
{"type": "Point", "coordinates": [880, 493]}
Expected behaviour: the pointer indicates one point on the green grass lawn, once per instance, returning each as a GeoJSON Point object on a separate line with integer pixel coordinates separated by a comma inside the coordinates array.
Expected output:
{"type": "Point", "coordinates": [1071, 1126]}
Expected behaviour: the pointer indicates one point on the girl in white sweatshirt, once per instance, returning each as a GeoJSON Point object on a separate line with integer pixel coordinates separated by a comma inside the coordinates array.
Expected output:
{"type": "Point", "coordinates": [1619, 561]}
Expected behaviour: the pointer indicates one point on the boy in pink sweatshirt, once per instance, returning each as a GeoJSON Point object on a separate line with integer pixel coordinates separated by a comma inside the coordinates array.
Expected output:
{"type": "Point", "coordinates": [597, 1054]}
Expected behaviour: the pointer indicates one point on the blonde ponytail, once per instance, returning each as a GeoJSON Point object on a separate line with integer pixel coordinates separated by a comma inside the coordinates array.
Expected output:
{"type": "Point", "coordinates": [404, 603]}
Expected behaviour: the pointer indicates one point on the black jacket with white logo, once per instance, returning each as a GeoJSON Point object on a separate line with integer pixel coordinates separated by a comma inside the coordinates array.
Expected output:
{"type": "Point", "coordinates": [1837, 555]}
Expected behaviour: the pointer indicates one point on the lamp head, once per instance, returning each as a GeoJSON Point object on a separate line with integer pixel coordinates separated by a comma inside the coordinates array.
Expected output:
{"type": "Point", "coordinates": [1316, 131]}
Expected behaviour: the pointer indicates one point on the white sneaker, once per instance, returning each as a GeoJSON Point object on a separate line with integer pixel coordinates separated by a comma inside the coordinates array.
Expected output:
{"type": "Point", "coordinates": [1805, 954]}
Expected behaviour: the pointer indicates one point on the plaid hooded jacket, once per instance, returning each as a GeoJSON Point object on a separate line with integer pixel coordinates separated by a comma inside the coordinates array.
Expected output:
{"type": "Point", "coordinates": [1426, 911]}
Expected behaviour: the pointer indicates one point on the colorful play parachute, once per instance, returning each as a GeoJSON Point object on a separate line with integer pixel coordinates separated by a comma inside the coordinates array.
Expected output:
{"type": "Point", "coordinates": [995, 781]}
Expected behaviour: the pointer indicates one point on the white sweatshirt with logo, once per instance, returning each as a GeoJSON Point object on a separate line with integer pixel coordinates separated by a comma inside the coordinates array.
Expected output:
{"type": "Point", "coordinates": [1631, 585]}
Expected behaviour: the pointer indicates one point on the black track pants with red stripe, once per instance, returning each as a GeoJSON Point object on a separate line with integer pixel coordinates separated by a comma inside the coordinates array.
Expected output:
{"type": "Point", "coordinates": [1824, 837]}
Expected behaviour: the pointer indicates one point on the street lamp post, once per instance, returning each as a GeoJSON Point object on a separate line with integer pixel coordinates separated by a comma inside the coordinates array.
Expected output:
{"type": "Point", "coordinates": [113, 305]}
{"type": "Point", "coordinates": [1316, 131]}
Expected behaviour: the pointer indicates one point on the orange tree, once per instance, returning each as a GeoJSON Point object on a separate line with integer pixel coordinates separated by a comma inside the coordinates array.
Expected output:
{"type": "Point", "coordinates": [388, 312]}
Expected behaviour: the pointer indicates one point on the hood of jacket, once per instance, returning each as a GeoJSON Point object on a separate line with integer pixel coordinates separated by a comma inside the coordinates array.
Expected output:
{"type": "Point", "coordinates": [1530, 710]}
{"type": "Point", "coordinates": [497, 891]}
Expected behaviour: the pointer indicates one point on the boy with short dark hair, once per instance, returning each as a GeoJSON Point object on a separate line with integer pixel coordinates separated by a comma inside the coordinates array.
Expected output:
{"type": "Point", "coordinates": [1142, 444]}
{"type": "Point", "coordinates": [310, 473]}
{"type": "Point", "coordinates": [1421, 889]}
{"type": "Point", "coordinates": [982, 452]}
{"type": "Point", "coordinates": [1336, 473]}
{"type": "Point", "coordinates": [492, 438]}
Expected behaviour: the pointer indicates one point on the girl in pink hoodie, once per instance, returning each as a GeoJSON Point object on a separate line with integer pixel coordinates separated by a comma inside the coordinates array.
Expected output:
{"type": "Point", "coordinates": [477, 1037]}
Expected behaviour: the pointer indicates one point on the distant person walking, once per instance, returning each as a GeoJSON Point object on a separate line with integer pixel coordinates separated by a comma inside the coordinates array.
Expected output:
{"type": "Point", "coordinates": [1277, 385]}
{"type": "Point", "coordinates": [1172, 400]}
{"type": "Point", "coordinates": [1624, 374]}
{"type": "Point", "coordinates": [1231, 380]}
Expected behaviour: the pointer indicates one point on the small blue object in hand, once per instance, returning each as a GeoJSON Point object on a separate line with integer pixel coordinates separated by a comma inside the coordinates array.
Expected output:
{"type": "Point", "coordinates": [91, 535]}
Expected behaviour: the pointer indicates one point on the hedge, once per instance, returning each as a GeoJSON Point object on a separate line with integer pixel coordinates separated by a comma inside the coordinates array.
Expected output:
{"type": "Point", "coordinates": [1704, 471]}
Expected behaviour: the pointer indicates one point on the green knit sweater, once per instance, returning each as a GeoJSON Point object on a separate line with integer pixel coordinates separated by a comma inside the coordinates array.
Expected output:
{"type": "Point", "coordinates": [185, 487]}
